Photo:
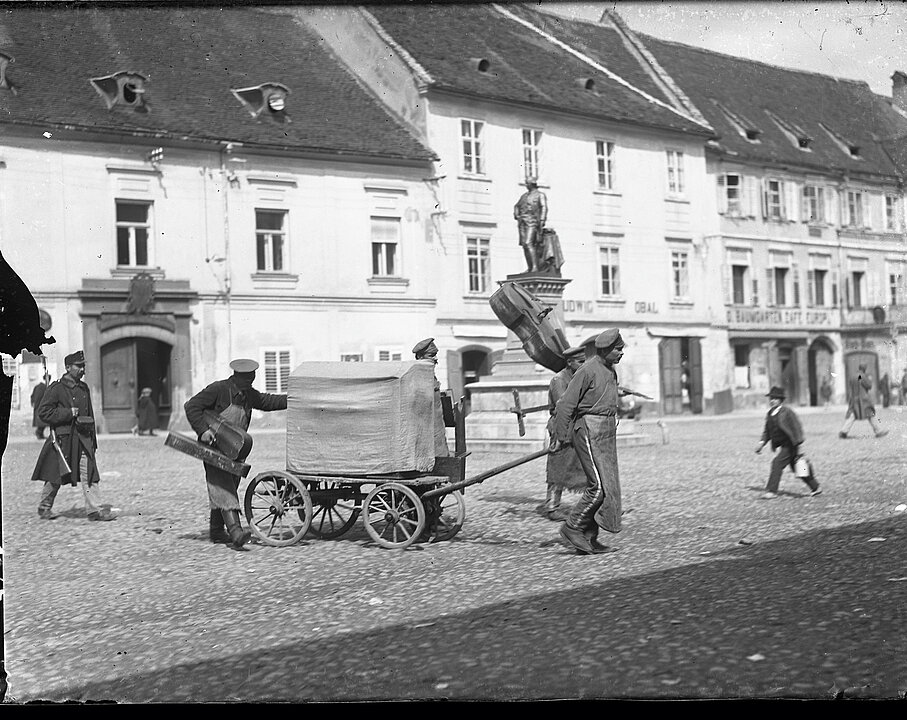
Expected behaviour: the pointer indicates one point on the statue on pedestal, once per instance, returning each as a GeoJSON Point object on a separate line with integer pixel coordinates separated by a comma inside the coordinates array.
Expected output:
{"type": "Point", "coordinates": [541, 246]}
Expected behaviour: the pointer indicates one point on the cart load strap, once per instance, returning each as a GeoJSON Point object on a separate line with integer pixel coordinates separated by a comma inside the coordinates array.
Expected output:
{"type": "Point", "coordinates": [361, 418]}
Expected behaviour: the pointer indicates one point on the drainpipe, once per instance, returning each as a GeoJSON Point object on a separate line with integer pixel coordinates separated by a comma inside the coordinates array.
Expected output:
{"type": "Point", "coordinates": [226, 148]}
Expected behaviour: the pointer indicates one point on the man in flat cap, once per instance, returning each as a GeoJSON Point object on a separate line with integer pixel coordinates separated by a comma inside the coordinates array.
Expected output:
{"type": "Point", "coordinates": [68, 454]}
{"type": "Point", "coordinates": [586, 418]}
{"type": "Point", "coordinates": [563, 470]}
{"type": "Point", "coordinates": [427, 350]}
{"type": "Point", "coordinates": [232, 400]}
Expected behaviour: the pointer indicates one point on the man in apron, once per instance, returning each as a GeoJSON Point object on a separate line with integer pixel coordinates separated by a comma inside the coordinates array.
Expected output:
{"type": "Point", "coordinates": [586, 418]}
{"type": "Point", "coordinates": [233, 400]}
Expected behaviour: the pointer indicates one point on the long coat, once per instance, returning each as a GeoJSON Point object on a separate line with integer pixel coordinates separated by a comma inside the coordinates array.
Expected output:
{"type": "Point", "coordinates": [563, 468]}
{"type": "Point", "coordinates": [76, 437]}
{"type": "Point", "coordinates": [860, 403]}
{"type": "Point", "coordinates": [37, 394]}
{"type": "Point", "coordinates": [789, 424]}
{"type": "Point", "coordinates": [219, 395]}
{"type": "Point", "coordinates": [146, 413]}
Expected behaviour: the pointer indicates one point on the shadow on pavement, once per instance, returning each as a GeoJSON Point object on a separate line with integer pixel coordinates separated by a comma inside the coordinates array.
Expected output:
{"type": "Point", "coordinates": [802, 617]}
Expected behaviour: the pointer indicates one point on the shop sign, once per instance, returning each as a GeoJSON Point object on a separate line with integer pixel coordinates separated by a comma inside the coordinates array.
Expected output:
{"type": "Point", "coordinates": [645, 307]}
{"type": "Point", "coordinates": [583, 306]}
{"type": "Point", "coordinates": [780, 318]}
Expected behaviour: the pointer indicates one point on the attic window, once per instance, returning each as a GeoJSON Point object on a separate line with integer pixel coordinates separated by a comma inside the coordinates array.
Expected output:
{"type": "Point", "coordinates": [125, 88]}
{"type": "Point", "coordinates": [265, 100]}
{"type": "Point", "coordinates": [797, 135]}
{"type": "Point", "coordinates": [847, 147]}
{"type": "Point", "coordinates": [586, 83]}
{"type": "Point", "coordinates": [482, 64]}
{"type": "Point", "coordinates": [5, 82]}
{"type": "Point", "coordinates": [744, 126]}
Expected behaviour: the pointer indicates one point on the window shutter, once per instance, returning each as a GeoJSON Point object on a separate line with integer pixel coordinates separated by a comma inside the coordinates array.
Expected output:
{"type": "Point", "coordinates": [831, 205]}
{"type": "Point", "coordinates": [750, 195]}
{"type": "Point", "coordinates": [755, 292]}
{"type": "Point", "coordinates": [726, 283]}
{"type": "Point", "coordinates": [792, 207]}
{"type": "Point", "coordinates": [847, 291]}
{"type": "Point", "coordinates": [867, 210]}
{"type": "Point", "coordinates": [804, 205]}
{"type": "Point", "coordinates": [770, 287]}
{"type": "Point", "coordinates": [722, 194]}
{"type": "Point", "coordinates": [811, 288]}
{"type": "Point", "coordinates": [764, 198]}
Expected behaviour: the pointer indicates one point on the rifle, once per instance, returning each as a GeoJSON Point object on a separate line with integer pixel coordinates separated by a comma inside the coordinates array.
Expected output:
{"type": "Point", "coordinates": [53, 434]}
{"type": "Point", "coordinates": [628, 391]}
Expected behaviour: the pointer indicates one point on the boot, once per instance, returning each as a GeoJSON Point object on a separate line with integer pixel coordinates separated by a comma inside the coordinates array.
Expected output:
{"type": "Point", "coordinates": [576, 539]}
{"type": "Point", "coordinates": [552, 500]}
{"type": "Point", "coordinates": [238, 536]}
{"type": "Point", "coordinates": [216, 531]}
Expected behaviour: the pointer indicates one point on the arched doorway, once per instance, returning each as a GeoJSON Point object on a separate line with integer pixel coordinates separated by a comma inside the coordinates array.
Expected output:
{"type": "Point", "coordinates": [821, 362]}
{"type": "Point", "coordinates": [128, 365]}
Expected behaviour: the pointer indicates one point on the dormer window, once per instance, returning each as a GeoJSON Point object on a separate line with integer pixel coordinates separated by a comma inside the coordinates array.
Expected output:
{"type": "Point", "coordinates": [847, 147]}
{"type": "Point", "coordinates": [797, 135]}
{"type": "Point", "coordinates": [267, 99]}
{"type": "Point", "coordinates": [586, 83]}
{"type": "Point", "coordinates": [744, 126]}
{"type": "Point", "coordinates": [124, 88]}
{"type": "Point", "coordinates": [5, 82]}
{"type": "Point", "coordinates": [481, 64]}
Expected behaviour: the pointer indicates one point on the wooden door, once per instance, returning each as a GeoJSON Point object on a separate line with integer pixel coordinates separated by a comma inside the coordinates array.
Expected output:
{"type": "Point", "coordinates": [669, 361]}
{"type": "Point", "coordinates": [695, 361]}
{"type": "Point", "coordinates": [118, 384]}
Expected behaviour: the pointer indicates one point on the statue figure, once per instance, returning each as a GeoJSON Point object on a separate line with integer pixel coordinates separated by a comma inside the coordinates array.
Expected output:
{"type": "Point", "coordinates": [530, 212]}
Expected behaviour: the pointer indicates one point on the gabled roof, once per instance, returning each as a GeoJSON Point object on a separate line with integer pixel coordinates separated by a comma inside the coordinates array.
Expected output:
{"type": "Point", "coordinates": [448, 41]}
{"type": "Point", "coordinates": [832, 113]}
{"type": "Point", "coordinates": [192, 58]}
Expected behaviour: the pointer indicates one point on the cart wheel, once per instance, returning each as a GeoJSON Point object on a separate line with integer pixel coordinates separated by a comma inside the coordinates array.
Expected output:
{"type": "Point", "coordinates": [331, 515]}
{"type": "Point", "coordinates": [278, 508]}
{"type": "Point", "coordinates": [451, 512]}
{"type": "Point", "coordinates": [394, 515]}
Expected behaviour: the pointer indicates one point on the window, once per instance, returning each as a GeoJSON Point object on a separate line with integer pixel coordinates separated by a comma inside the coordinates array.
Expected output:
{"type": "Point", "coordinates": [742, 366]}
{"type": "Point", "coordinates": [675, 172]}
{"type": "Point", "coordinates": [854, 209]}
{"type": "Point", "coordinates": [779, 278]}
{"type": "Point", "coordinates": [133, 234]}
{"type": "Point", "coordinates": [774, 200]}
{"type": "Point", "coordinates": [532, 140]}
{"type": "Point", "coordinates": [732, 187]}
{"type": "Point", "coordinates": [604, 160]}
{"type": "Point", "coordinates": [270, 240]}
{"type": "Point", "coordinates": [739, 281]}
{"type": "Point", "coordinates": [478, 264]}
{"type": "Point", "coordinates": [795, 283]}
{"type": "Point", "coordinates": [385, 239]}
{"type": "Point", "coordinates": [388, 354]}
{"type": "Point", "coordinates": [891, 213]}
{"type": "Point", "coordinates": [856, 288]}
{"type": "Point", "coordinates": [813, 204]}
{"type": "Point", "coordinates": [680, 274]}
{"type": "Point", "coordinates": [609, 261]}
{"type": "Point", "coordinates": [816, 280]}
{"type": "Point", "coordinates": [895, 281]}
{"type": "Point", "coordinates": [350, 357]}
{"type": "Point", "coordinates": [277, 365]}
{"type": "Point", "coordinates": [471, 139]}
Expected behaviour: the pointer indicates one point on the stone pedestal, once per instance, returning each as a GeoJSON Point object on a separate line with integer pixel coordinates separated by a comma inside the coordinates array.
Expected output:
{"type": "Point", "coordinates": [490, 425]}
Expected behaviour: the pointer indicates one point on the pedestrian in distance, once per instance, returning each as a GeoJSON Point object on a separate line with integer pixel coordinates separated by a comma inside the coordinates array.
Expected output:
{"type": "Point", "coordinates": [232, 400]}
{"type": "Point", "coordinates": [586, 417]}
{"type": "Point", "coordinates": [145, 414]}
{"type": "Point", "coordinates": [563, 470]}
{"type": "Point", "coordinates": [68, 455]}
{"type": "Point", "coordinates": [785, 433]}
{"type": "Point", "coordinates": [860, 405]}
{"type": "Point", "coordinates": [37, 394]}
{"type": "Point", "coordinates": [825, 390]}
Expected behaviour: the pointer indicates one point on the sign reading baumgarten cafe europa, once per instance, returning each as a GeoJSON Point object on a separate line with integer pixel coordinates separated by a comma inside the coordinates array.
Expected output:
{"type": "Point", "coordinates": [780, 317]}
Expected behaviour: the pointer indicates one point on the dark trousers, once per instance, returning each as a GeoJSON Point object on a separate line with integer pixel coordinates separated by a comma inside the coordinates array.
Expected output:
{"type": "Point", "coordinates": [785, 457]}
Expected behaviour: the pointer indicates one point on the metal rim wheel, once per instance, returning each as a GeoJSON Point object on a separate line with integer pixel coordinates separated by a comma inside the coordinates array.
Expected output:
{"type": "Point", "coordinates": [332, 517]}
{"type": "Point", "coordinates": [278, 508]}
{"type": "Point", "coordinates": [451, 514]}
{"type": "Point", "coordinates": [394, 515]}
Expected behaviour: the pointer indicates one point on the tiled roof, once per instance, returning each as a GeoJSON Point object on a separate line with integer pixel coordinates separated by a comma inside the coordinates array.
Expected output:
{"type": "Point", "coordinates": [752, 91]}
{"type": "Point", "coordinates": [192, 58]}
{"type": "Point", "coordinates": [524, 67]}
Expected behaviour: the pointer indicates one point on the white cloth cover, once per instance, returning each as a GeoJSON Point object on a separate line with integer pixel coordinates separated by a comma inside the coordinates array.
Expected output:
{"type": "Point", "coordinates": [368, 418]}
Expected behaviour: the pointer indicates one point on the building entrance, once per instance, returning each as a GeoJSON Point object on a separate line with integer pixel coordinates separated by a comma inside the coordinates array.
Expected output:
{"type": "Point", "coordinates": [820, 361]}
{"type": "Point", "coordinates": [127, 366]}
{"type": "Point", "coordinates": [680, 360]}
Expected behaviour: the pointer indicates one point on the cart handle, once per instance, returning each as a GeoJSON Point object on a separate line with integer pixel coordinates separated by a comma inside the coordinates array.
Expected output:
{"type": "Point", "coordinates": [483, 476]}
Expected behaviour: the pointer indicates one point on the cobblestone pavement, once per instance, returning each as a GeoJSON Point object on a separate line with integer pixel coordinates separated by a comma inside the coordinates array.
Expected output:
{"type": "Point", "coordinates": [713, 592]}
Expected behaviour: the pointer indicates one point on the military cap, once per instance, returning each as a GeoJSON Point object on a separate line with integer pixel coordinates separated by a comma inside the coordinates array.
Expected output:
{"type": "Point", "coordinates": [423, 347]}
{"type": "Point", "coordinates": [243, 365]}
{"type": "Point", "coordinates": [609, 338]}
{"type": "Point", "coordinates": [76, 358]}
{"type": "Point", "coordinates": [589, 340]}
{"type": "Point", "coordinates": [576, 350]}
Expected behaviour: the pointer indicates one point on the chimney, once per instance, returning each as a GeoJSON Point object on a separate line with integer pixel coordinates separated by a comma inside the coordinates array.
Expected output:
{"type": "Point", "coordinates": [899, 89]}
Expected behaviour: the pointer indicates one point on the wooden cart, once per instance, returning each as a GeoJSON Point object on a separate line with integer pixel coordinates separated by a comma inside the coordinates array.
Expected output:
{"type": "Point", "coordinates": [397, 510]}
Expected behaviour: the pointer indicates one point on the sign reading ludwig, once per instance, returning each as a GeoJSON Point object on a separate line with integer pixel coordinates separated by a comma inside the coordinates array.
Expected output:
{"type": "Point", "coordinates": [779, 318]}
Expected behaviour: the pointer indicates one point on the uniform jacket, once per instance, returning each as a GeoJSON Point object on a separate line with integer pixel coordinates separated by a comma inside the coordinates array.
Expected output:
{"type": "Point", "coordinates": [788, 422]}
{"type": "Point", "coordinates": [75, 437]}
{"type": "Point", "coordinates": [219, 395]}
{"type": "Point", "coordinates": [556, 389]}
{"type": "Point", "coordinates": [592, 391]}
{"type": "Point", "coordinates": [36, 396]}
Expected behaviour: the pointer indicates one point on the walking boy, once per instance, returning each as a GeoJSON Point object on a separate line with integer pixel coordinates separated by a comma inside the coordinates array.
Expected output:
{"type": "Point", "coordinates": [783, 430]}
